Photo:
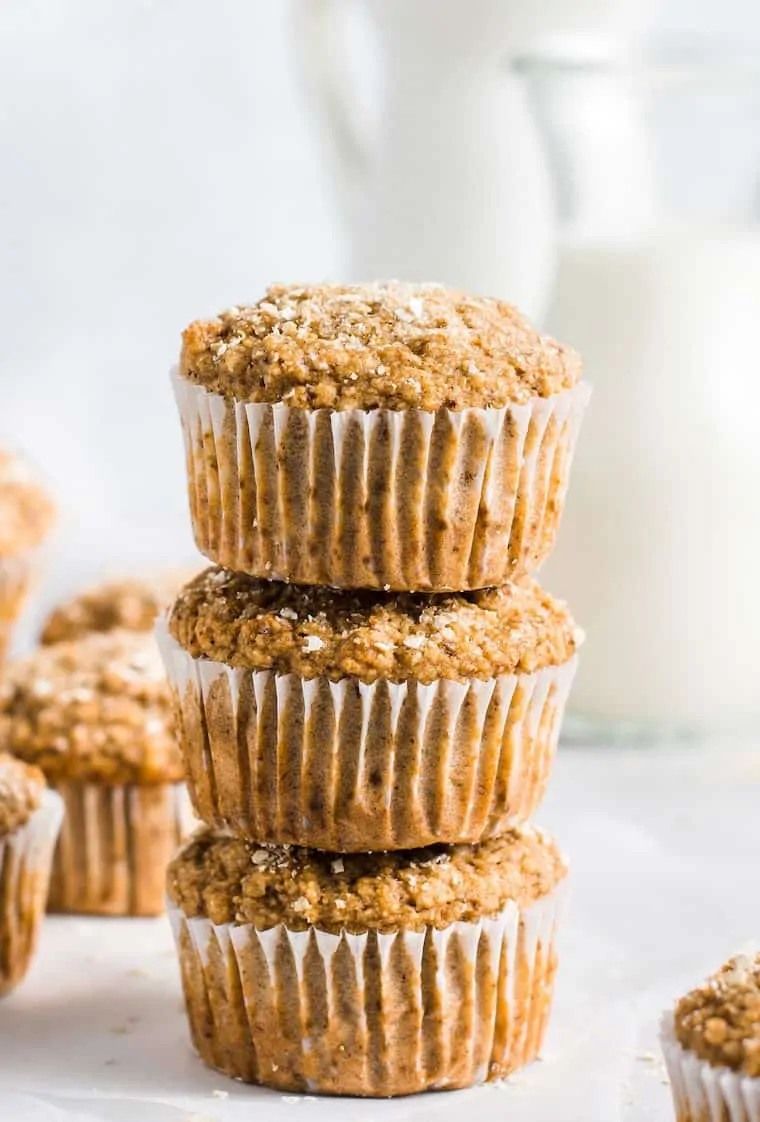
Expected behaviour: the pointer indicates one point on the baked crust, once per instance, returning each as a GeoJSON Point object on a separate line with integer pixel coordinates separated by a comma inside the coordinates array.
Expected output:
{"type": "Point", "coordinates": [98, 709]}
{"type": "Point", "coordinates": [375, 346]}
{"type": "Point", "coordinates": [315, 632]}
{"type": "Point", "coordinates": [21, 790]}
{"type": "Point", "coordinates": [720, 1020]}
{"type": "Point", "coordinates": [235, 880]}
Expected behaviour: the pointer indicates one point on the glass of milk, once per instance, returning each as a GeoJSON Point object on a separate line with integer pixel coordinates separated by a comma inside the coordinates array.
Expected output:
{"type": "Point", "coordinates": [657, 170]}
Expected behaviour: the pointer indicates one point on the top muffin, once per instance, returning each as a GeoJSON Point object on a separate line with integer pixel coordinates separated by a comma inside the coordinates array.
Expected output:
{"type": "Point", "coordinates": [26, 511]}
{"type": "Point", "coordinates": [132, 604]}
{"type": "Point", "coordinates": [720, 1021]}
{"type": "Point", "coordinates": [376, 346]}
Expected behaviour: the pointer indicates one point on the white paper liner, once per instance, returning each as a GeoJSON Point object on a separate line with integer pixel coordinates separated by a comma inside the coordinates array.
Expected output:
{"type": "Point", "coordinates": [377, 498]}
{"type": "Point", "coordinates": [371, 1014]}
{"type": "Point", "coordinates": [115, 845]}
{"type": "Point", "coordinates": [348, 766]}
{"type": "Point", "coordinates": [26, 858]}
{"type": "Point", "coordinates": [702, 1093]}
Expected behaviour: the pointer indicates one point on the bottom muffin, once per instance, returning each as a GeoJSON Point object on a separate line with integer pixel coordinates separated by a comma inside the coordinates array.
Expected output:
{"type": "Point", "coordinates": [711, 1044]}
{"type": "Point", "coordinates": [30, 818]}
{"type": "Point", "coordinates": [370, 974]}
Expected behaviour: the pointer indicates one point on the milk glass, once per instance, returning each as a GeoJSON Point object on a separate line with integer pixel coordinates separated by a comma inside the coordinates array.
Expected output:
{"type": "Point", "coordinates": [657, 176]}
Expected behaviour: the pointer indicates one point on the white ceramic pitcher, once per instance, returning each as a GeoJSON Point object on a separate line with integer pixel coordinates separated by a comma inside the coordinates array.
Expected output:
{"type": "Point", "coordinates": [447, 180]}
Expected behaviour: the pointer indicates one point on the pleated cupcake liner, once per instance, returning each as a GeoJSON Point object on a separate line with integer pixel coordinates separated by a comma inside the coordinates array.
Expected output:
{"type": "Point", "coordinates": [703, 1093]}
{"type": "Point", "coordinates": [26, 858]}
{"type": "Point", "coordinates": [353, 767]}
{"type": "Point", "coordinates": [371, 1014]}
{"type": "Point", "coordinates": [378, 498]}
{"type": "Point", "coordinates": [115, 845]}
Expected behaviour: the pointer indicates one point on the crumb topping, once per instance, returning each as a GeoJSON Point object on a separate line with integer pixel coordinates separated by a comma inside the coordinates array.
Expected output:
{"type": "Point", "coordinates": [97, 708]}
{"type": "Point", "coordinates": [315, 632]}
{"type": "Point", "coordinates": [720, 1021]}
{"type": "Point", "coordinates": [235, 880]}
{"type": "Point", "coordinates": [132, 604]}
{"type": "Point", "coordinates": [393, 346]}
{"type": "Point", "coordinates": [21, 791]}
{"type": "Point", "coordinates": [26, 511]}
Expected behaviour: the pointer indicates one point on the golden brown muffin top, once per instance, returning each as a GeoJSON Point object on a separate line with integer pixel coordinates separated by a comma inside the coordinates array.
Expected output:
{"type": "Point", "coordinates": [97, 708]}
{"type": "Point", "coordinates": [314, 631]}
{"type": "Point", "coordinates": [132, 603]}
{"type": "Point", "coordinates": [720, 1021]}
{"type": "Point", "coordinates": [235, 880]}
{"type": "Point", "coordinates": [21, 791]}
{"type": "Point", "coordinates": [388, 346]}
{"type": "Point", "coordinates": [26, 510]}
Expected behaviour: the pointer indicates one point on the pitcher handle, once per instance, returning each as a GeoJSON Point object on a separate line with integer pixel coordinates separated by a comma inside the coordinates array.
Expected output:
{"type": "Point", "coordinates": [326, 74]}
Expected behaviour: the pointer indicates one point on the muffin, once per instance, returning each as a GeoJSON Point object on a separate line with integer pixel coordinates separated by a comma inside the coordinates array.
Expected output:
{"type": "Point", "coordinates": [366, 720]}
{"type": "Point", "coordinates": [132, 603]}
{"type": "Point", "coordinates": [385, 436]}
{"type": "Point", "coordinates": [30, 818]}
{"type": "Point", "coordinates": [370, 974]}
{"type": "Point", "coordinates": [26, 517]}
{"type": "Point", "coordinates": [711, 1044]}
{"type": "Point", "coordinates": [95, 715]}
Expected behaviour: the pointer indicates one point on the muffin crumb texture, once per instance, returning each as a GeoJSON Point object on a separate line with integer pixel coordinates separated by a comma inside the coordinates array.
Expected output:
{"type": "Point", "coordinates": [720, 1021]}
{"type": "Point", "coordinates": [394, 346]}
{"type": "Point", "coordinates": [21, 791]}
{"type": "Point", "coordinates": [26, 511]}
{"type": "Point", "coordinates": [95, 709]}
{"type": "Point", "coordinates": [132, 604]}
{"type": "Point", "coordinates": [314, 632]}
{"type": "Point", "coordinates": [235, 880]}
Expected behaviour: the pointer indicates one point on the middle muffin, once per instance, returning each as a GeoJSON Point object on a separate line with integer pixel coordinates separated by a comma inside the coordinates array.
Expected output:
{"type": "Point", "coordinates": [358, 721]}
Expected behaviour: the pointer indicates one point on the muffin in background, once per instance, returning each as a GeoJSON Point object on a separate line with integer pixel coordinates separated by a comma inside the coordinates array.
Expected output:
{"type": "Point", "coordinates": [30, 818]}
{"type": "Point", "coordinates": [26, 518]}
{"type": "Point", "coordinates": [131, 603]}
{"type": "Point", "coordinates": [95, 715]}
{"type": "Point", "coordinates": [377, 436]}
{"type": "Point", "coordinates": [355, 721]}
{"type": "Point", "coordinates": [369, 974]}
{"type": "Point", "coordinates": [711, 1044]}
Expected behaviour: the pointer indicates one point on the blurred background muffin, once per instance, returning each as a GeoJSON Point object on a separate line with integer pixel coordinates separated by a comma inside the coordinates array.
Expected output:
{"type": "Point", "coordinates": [26, 517]}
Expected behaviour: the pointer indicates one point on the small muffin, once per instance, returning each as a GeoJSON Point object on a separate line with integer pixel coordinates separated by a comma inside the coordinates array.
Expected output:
{"type": "Point", "coordinates": [30, 818]}
{"type": "Point", "coordinates": [133, 603]}
{"type": "Point", "coordinates": [366, 720]}
{"type": "Point", "coordinates": [26, 517]}
{"type": "Point", "coordinates": [94, 715]}
{"type": "Point", "coordinates": [711, 1044]}
{"type": "Point", "coordinates": [370, 974]}
{"type": "Point", "coordinates": [377, 436]}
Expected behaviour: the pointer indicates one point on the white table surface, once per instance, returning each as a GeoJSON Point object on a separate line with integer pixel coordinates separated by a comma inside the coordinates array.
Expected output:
{"type": "Point", "coordinates": [664, 845]}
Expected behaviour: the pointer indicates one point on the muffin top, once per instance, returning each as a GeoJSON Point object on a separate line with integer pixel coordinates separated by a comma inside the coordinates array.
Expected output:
{"type": "Point", "coordinates": [132, 603]}
{"type": "Point", "coordinates": [387, 346]}
{"type": "Point", "coordinates": [26, 510]}
{"type": "Point", "coordinates": [21, 791]}
{"type": "Point", "coordinates": [314, 631]}
{"type": "Point", "coordinates": [96, 708]}
{"type": "Point", "coordinates": [235, 880]}
{"type": "Point", "coordinates": [720, 1021]}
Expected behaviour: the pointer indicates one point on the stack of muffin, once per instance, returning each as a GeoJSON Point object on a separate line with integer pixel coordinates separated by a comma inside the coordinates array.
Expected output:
{"type": "Point", "coordinates": [369, 691]}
